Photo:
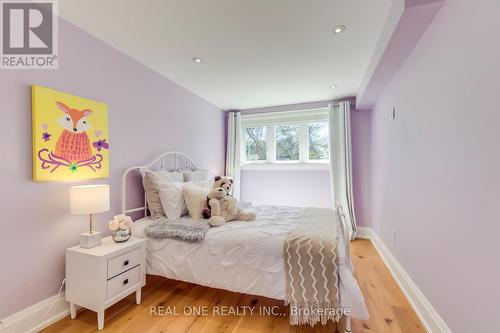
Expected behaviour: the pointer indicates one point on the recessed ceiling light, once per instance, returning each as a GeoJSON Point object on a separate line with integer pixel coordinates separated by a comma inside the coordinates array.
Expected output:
{"type": "Point", "coordinates": [197, 60]}
{"type": "Point", "coordinates": [333, 86]}
{"type": "Point", "coordinates": [243, 98]}
{"type": "Point", "coordinates": [338, 29]}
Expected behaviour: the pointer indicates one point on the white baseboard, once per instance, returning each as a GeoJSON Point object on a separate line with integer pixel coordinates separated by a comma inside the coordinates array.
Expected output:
{"type": "Point", "coordinates": [30, 319]}
{"type": "Point", "coordinates": [429, 317]}
{"type": "Point", "coordinates": [364, 232]}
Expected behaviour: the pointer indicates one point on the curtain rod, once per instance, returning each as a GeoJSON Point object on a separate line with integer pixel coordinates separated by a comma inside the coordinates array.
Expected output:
{"type": "Point", "coordinates": [295, 107]}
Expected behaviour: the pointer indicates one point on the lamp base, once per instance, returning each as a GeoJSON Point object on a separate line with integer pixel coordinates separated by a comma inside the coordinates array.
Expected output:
{"type": "Point", "coordinates": [90, 240]}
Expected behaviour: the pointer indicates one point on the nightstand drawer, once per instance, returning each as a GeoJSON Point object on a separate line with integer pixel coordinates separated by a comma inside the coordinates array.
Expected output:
{"type": "Point", "coordinates": [123, 282]}
{"type": "Point", "coordinates": [123, 262]}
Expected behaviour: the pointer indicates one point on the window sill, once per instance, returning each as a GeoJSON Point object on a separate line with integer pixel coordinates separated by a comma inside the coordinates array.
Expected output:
{"type": "Point", "coordinates": [285, 166]}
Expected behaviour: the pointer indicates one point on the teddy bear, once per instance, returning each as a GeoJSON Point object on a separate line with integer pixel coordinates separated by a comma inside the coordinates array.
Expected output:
{"type": "Point", "coordinates": [222, 206]}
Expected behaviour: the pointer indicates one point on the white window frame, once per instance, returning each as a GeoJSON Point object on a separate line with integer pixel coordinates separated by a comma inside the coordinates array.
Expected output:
{"type": "Point", "coordinates": [270, 121]}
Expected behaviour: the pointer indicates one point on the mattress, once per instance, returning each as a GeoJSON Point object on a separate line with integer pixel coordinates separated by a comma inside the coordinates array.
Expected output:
{"type": "Point", "coordinates": [245, 257]}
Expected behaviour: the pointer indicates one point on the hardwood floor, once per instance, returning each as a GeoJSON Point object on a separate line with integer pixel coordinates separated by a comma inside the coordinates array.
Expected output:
{"type": "Point", "coordinates": [389, 311]}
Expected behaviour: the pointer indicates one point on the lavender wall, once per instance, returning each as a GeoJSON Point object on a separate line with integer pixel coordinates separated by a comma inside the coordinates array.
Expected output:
{"type": "Point", "coordinates": [312, 187]}
{"type": "Point", "coordinates": [148, 115]}
{"type": "Point", "coordinates": [293, 187]}
{"type": "Point", "coordinates": [436, 178]}
{"type": "Point", "coordinates": [361, 164]}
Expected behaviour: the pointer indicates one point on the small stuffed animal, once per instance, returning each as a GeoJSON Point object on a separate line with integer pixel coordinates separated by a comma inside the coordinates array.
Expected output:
{"type": "Point", "coordinates": [222, 206]}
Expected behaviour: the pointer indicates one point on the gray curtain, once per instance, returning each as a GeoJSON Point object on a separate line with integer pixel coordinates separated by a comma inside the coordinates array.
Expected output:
{"type": "Point", "coordinates": [339, 122]}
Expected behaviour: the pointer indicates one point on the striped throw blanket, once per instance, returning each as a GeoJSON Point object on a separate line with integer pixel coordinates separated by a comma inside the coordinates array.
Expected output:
{"type": "Point", "coordinates": [311, 268]}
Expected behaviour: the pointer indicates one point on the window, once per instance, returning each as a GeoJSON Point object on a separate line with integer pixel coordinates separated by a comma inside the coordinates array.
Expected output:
{"type": "Point", "coordinates": [318, 141]}
{"type": "Point", "coordinates": [287, 143]}
{"type": "Point", "coordinates": [290, 139]}
{"type": "Point", "coordinates": [255, 138]}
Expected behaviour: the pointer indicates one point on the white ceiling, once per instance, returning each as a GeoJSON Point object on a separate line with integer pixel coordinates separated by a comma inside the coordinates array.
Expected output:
{"type": "Point", "coordinates": [255, 52]}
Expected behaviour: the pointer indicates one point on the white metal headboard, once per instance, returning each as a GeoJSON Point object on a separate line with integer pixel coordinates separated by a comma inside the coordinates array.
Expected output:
{"type": "Point", "coordinates": [180, 162]}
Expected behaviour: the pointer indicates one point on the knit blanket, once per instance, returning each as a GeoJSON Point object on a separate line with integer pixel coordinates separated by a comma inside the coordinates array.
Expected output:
{"type": "Point", "coordinates": [193, 230]}
{"type": "Point", "coordinates": [311, 268]}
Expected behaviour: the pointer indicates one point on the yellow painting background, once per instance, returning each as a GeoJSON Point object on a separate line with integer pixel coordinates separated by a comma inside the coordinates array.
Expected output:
{"type": "Point", "coordinates": [45, 111]}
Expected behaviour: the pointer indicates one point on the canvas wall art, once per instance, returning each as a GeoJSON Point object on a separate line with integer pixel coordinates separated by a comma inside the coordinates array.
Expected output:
{"type": "Point", "coordinates": [70, 136]}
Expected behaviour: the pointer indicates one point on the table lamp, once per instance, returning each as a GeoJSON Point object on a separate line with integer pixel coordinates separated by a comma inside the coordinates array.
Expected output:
{"type": "Point", "coordinates": [89, 199]}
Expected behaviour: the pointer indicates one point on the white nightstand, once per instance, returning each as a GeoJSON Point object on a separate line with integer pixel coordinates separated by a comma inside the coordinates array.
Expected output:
{"type": "Point", "coordinates": [99, 277]}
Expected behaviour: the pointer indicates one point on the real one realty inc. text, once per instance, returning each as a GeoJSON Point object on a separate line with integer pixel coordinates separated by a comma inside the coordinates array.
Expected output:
{"type": "Point", "coordinates": [225, 310]}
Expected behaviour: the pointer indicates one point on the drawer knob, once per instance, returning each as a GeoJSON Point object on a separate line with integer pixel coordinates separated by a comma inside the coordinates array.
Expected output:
{"type": "Point", "coordinates": [125, 263]}
{"type": "Point", "coordinates": [125, 281]}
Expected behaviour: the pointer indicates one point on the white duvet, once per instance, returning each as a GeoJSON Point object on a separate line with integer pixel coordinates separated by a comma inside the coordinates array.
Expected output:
{"type": "Point", "coordinates": [244, 257]}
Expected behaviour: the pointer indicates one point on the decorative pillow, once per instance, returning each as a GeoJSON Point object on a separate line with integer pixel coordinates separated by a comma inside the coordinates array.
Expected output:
{"type": "Point", "coordinates": [153, 181]}
{"type": "Point", "coordinates": [195, 198]}
{"type": "Point", "coordinates": [208, 184]}
{"type": "Point", "coordinates": [172, 200]}
{"type": "Point", "coordinates": [170, 176]}
{"type": "Point", "coordinates": [198, 175]}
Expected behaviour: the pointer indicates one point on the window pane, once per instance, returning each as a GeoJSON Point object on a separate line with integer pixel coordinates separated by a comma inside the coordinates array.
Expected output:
{"type": "Point", "coordinates": [256, 143]}
{"type": "Point", "coordinates": [287, 143]}
{"type": "Point", "coordinates": [318, 141]}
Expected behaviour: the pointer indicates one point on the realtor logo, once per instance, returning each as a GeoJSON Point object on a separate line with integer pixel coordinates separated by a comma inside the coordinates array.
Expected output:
{"type": "Point", "coordinates": [29, 34]}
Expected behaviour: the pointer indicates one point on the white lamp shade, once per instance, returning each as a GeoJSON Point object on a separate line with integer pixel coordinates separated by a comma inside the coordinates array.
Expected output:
{"type": "Point", "coordinates": [89, 199]}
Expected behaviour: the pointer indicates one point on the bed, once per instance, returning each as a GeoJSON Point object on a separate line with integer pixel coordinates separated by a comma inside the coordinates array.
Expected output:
{"type": "Point", "coordinates": [245, 257]}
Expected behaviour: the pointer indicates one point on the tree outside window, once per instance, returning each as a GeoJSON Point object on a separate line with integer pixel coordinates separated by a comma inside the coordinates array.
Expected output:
{"type": "Point", "coordinates": [318, 141]}
{"type": "Point", "coordinates": [287, 143]}
{"type": "Point", "coordinates": [255, 143]}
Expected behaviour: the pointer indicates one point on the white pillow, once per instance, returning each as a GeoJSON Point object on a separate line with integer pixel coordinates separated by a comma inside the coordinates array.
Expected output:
{"type": "Point", "coordinates": [169, 176]}
{"type": "Point", "coordinates": [153, 181]}
{"type": "Point", "coordinates": [202, 183]}
{"type": "Point", "coordinates": [198, 175]}
{"type": "Point", "coordinates": [172, 200]}
{"type": "Point", "coordinates": [195, 198]}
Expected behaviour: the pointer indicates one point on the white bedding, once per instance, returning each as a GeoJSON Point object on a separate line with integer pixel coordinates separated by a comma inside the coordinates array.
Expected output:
{"type": "Point", "coordinates": [244, 257]}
